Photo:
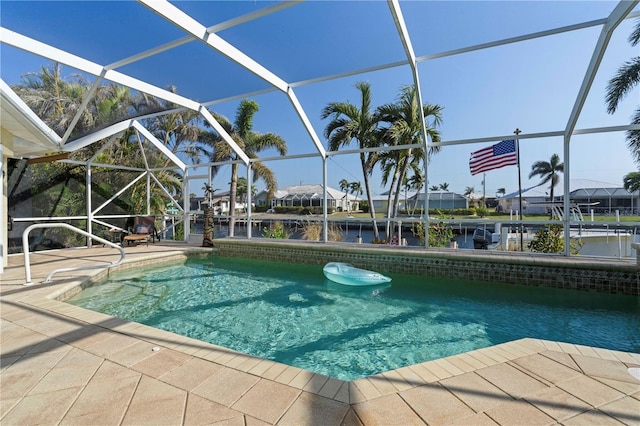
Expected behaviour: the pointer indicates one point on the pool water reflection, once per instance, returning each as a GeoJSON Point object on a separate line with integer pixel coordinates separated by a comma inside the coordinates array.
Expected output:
{"type": "Point", "coordinates": [291, 314]}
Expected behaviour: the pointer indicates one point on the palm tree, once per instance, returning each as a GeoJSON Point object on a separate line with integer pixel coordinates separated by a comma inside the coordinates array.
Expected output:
{"type": "Point", "coordinates": [242, 189]}
{"type": "Point", "coordinates": [251, 142]}
{"type": "Point", "coordinates": [344, 186]}
{"type": "Point", "coordinates": [53, 97]}
{"type": "Point", "coordinates": [434, 188]}
{"type": "Point", "coordinates": [180, 131]}
{"type": "Point", "coordinates": [444, 186]}
{"type": "Point", "coordinates": [209, 192]}
{"type": "Point", "coordinates": [501, 191]}
{"type": "Point", "coordinates": [405, 128]}
{"type": "Point", "coordinates": [622, 84]}
{"type": "Point", "coordinates": [355, 188]}
{"type": "Point", "coordinates": [415, 182]}
{"type": "Point", "coordinates": [350, 123]}
{"type": "Point", "coordinates": [549, 171]}
{"type": "Point", "coordinates": [468, 191]}
{"type": "Point", "coordinates": [631, 181]}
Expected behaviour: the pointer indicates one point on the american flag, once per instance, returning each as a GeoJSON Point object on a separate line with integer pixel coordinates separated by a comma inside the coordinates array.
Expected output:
{"type": "Point", "coordinates": [493, 157]}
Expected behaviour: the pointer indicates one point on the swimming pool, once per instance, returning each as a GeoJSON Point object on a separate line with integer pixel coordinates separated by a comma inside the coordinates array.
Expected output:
{"type": "Point", "coordinates": [291, 314]}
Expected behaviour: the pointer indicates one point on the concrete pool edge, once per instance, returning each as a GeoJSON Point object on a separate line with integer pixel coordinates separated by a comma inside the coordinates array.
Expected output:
{"type": "Point", "coordinates": [349, 392]}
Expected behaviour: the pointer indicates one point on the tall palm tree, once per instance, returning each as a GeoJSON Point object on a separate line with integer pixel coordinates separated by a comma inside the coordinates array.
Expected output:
{"type": "Point", "coordinates": [389, 162]}
{"type": "Point", "coordinates": [351, 123]}
{"type": "Point", "coordinates": [243, 189]}
{"type": "Point", "coordinates": [405, 128]}
{"type": "Point", "coordinates": [251, 142]}
{"type": "Point", "coordinates": [549, 171]}
{"type": "Point", "coordinates": [355, 188]}
{"type": "Point", "coordinates": [55, 98]}
{"type": "Point", "coordinates": [631, 182]}
{"type": "Point", "coordinates": [627, 77]}
{"type": "Point", "coordinates": [415, 182]}
{"type": "Point", "coordinates": [179, 131]}
{"type": "Point", "coordinates": [344, 186]}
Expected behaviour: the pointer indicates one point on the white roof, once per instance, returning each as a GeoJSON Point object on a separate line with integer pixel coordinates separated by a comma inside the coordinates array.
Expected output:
{"type": "Point", "coordinates": [311, 191]}
{"type": "Point", "coordinates": [532, 192]}
{"type": "Point", "coordinates": [31, 136]}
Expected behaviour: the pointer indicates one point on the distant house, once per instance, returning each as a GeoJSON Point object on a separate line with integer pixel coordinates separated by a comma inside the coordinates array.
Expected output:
{"type": "Point", "coordinates": [533, 201]}
{"type": "Point", "coordinates": [219, 201]}
{"type": "Point", "coordinates": [444, 200]}
{"type": "Point", "coordinates": [603, 197]}
{"type": "Point", "coordinates": [414, 201]}
{"type": "Point", "coordinates": [308, 196]}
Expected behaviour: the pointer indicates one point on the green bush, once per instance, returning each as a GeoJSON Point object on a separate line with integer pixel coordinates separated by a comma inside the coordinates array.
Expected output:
{"type": "Point", "coordinates": [550, 239]}
{"type": "Point", "coordinates": [471, 211]}
{"type": "Point", "coordinates": [482, 212]}
{"type": "Point", "coordinates": [301, 210]}
{"type": "Point", "coordinates": [288, 209]}
{"type": "Point", "coordinates": [440, 234]}
{"type": "Point", "coordinates": [276, 230]}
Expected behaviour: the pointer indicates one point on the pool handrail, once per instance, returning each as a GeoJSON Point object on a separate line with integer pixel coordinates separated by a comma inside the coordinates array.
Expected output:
{"type": "Point", "coordinates": [25, 249]}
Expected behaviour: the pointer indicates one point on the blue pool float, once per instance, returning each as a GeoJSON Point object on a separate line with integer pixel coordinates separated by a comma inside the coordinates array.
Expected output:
{"type": "Point", "coordinates": [344, 273]}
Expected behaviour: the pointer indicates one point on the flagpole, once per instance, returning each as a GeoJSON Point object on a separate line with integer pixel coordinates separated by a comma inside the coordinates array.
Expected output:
{"type": "Point", "coordinates": [484, 190]}
{"type": "Point", "coordinates": [517, 132]}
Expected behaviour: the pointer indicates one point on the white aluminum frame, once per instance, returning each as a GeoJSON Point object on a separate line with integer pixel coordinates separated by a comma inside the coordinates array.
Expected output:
{"type": "Point", "coordinates": [208, 36]}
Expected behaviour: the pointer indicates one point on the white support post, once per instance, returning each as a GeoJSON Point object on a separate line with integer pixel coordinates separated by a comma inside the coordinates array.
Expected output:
{"type": "Point", "coordinates": [394, 7]}
{"type": "Point", "coordinates": [325, 220]}
{"type": "Point", "coordinates": [89, 206]}
{"type": "Point", "coordinates": [4, 216]}
{"type": "Point", "coordinates": [249, 185]}
{"type": "Point", "coordinates": [615, 18]}
{"type": "Point", "coordinates": [187, 206]}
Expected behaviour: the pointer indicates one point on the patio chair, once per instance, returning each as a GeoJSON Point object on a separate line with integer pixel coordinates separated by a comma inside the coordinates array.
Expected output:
{"type": "Point", "coordinates": [144, 228]}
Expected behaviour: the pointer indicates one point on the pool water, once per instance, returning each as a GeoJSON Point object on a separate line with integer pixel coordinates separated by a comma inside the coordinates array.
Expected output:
{"type": "Point", "coordinates": [291, 314]}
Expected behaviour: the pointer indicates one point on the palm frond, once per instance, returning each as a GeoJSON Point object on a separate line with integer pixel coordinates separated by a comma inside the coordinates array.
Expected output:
{"type": "Point", "coordinates": [634, 38]}
{"type": "Point", "coordinates": [622, 83]}
{"type": "Point", "coordinates": [633, 138]}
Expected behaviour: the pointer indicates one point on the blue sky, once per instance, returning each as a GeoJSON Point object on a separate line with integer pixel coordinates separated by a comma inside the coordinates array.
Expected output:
{"type": "Point", "coordinates": [530, 85]}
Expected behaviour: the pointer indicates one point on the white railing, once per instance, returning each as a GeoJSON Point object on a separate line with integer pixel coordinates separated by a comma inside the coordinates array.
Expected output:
{"type": "Point", "coordinates": [25, 248]}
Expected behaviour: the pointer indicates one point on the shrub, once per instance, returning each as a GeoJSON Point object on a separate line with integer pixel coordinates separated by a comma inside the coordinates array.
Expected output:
{"type": "Point", "coordinates": [275, 230]}
{"type": "Point", "coordinates": [317, 210]}
{"type": "Point", "coordinates": [288, 209]}
{"type": "Point", "coordinates": [482, 212]}
{"type": "Point", "coordinates": [440, 234]}
{"type": "Point", "coordinates": [312, 231]}
{"type": "Point", "coordinates": [550, 239]}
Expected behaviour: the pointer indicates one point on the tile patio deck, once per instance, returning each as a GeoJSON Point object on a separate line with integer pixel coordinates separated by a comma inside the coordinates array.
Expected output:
{"type": "Point", "coordinates": [61, 364]}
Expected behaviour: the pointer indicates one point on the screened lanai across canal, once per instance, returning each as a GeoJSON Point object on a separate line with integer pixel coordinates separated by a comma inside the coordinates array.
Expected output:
{"type": "Point", "coordinates": [116, 109]}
